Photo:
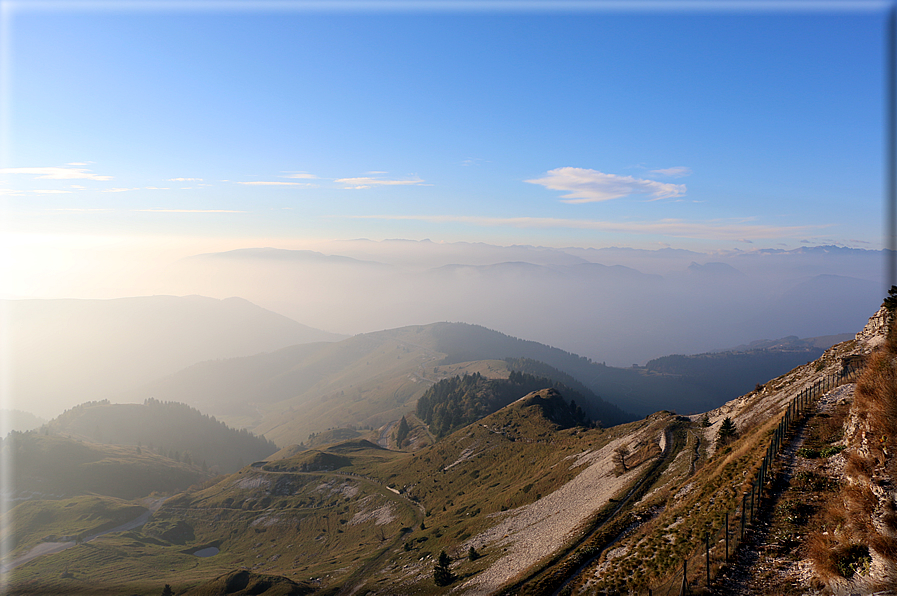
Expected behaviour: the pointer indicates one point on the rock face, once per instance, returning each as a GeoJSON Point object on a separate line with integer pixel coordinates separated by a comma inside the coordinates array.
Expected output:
{"type": "Point", "coordinates": [876, 329]}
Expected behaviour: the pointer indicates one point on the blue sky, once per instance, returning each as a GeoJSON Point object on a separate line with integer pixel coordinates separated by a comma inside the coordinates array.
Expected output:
{"type": "Point", "coordinates": [210, 128]}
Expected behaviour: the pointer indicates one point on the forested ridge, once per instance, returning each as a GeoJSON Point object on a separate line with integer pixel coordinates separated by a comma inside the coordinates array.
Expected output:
{"type": "Point", "coordinates": [453, 403]}
{"type": "Point", "coordinates": [171, 429]}
{"type": "Point", "coordinates": [597, 408]}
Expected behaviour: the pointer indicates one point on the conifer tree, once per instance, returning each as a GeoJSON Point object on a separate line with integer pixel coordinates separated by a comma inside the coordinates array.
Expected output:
{"type": "Point", "coordinates": [442, 574]}
{"type": "Point", "coordinates": [727, 431]}
{"type": "Point", "coordinates": [402, 432]}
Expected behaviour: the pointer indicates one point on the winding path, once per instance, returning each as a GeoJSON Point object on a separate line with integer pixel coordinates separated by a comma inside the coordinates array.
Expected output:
{"type": "Point", "coordinates": [51, 548]}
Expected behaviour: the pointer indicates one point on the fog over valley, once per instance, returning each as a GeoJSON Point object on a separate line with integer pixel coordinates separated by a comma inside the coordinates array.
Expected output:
{"type": "Point", "coordinates": [422, 298]}
{"type": "Point", "coordinates": [614, 306]}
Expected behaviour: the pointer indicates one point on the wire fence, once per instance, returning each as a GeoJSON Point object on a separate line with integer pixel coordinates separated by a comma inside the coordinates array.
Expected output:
{"type": "Point", "coordinates": [727, 530]}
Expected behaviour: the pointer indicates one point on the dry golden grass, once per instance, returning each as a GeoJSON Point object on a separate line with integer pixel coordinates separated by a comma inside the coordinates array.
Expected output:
{"type": "Point", "coordinates": [851, 537]}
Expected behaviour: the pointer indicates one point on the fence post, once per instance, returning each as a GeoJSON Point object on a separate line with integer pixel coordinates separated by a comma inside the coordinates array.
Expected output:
{"type": "Point", "coordinates": [684, 587]}
{"type": "Point", "coordinates": [727, 536]}
{"type": "Point", "coordinates": [743, 513]}
{"type": "Point", "coordinates": [752, 502]}
{"type": "Point", "coordinates": [707, 557]}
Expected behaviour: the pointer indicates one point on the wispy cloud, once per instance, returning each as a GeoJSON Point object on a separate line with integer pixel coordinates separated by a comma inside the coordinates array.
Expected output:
{"type": "Point", "coordinates": [79, 209]}
{"type": "Point", "coordinates": [119, 189]}
{"type": "Point", "coordinates": [187, 211]}
{"type": "Point", "coordinates": [677, 172]}
{"type": "Point", "coordinates": [301, 175]}
{"type": "Point", "coordinates": [273, 183]}
{"type": "Point", "coordinates": [11, 192]}
{"type": "Point", "coordinates": [155, 188]}
{"type": "Point", "coordinates": [735, 230]}
{"type": "Point", "coordinates": [185, 180]}
{"type": "Point", "coordinates": [56, 173]}
{"type": "Point", "coordinates": [590, 186]}
{"type": "Point", "coordinates": [368, 182]}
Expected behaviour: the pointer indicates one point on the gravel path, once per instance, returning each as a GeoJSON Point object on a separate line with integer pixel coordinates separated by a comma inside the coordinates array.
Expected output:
{"type": "Point", "coordinates": [529, 534]}
{"type": "Point", "coordinates": [758, 569]}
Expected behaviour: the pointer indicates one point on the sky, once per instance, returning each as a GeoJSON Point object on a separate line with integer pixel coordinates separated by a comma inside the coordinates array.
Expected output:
{"type": "Point", "coordinates": [156, 130]}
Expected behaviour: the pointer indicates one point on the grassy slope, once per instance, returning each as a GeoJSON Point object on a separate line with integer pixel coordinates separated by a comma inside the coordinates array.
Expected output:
{"type": "Point", "coordinates": [364, 381]}
{"type": "Point", "coordinates": [371, 379]}
{"type": "Point", "coordinates": [333, 514]}
{"type": "Point", "coordinates": [54, 466]}
{"type": "Point", "coordinates": [696, 501]}
{"type": "Point", "coordinates": [345, 524]}
{"type": "Point", "coordinates": [32, 522]}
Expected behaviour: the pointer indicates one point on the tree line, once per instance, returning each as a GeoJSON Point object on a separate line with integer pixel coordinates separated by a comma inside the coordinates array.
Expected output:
{"type": "Point", "coordinates": [454, 403]}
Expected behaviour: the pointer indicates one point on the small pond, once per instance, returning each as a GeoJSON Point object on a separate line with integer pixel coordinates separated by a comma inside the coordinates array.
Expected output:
{"type": "Point", "coordinates": [207, 552]}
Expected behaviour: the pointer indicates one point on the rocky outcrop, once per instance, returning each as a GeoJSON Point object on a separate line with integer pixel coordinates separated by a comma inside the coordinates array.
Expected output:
{"type": "Point", "coordinates": [876, 330]}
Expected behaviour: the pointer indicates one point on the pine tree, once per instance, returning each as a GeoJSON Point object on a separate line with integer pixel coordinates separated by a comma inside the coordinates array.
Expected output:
{"type": "Point", "coordinates": [727, 431]}
{"type": "Point", "coordinates": [402, 432]}
{"type": "Point", "coordinates": [890, 302]}
{"type": "Point", "coordinates": [167, 591]}
{"type": "Point", "coordinates": [442, 574]}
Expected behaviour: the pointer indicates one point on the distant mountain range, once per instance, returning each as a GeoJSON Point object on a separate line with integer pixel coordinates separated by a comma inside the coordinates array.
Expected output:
{"type": "Point", "coordinates": [613, 305]}
{"type": "Point", "coordinates": [371, 379]}
{"type": "Point", "coordinates": [65, 352]}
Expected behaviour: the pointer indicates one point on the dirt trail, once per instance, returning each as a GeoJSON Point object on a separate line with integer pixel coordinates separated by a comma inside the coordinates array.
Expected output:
{"type": "Point", "coordinates": [753, 555]}
{"type": "Point", "coordinates": [383, 441]}
{"type": "Point", "coordinates": [528, 534]}
{"type": "Point", "coordinates": [51, 548]}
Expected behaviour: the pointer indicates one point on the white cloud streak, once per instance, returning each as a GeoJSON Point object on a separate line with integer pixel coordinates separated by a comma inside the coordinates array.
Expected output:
{"type": "Point", "coordinates": [300, 175]}
{"type": "Point", "coordinates": [715, 229]}
{"type": "Point", "coordinates": [56, 173]}
{"type": "Point", "coordinates": [185, 180]}
{"type": "Point", "coordinates": [677, 172]}
{"type": "Point", "coordinates": [273, 183]}
{"type": "Point", "coordinates": [187, 211]}
{"type": "Point", "coordinates": [368, 182]}
{"type": "Point", "coordinates": [591, 186]}
{"type": "Point", "coordinates": [10, 192]}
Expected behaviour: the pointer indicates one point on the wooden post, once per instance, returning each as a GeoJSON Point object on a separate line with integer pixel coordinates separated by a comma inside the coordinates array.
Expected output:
{"type": "Point", "coordinates": [727, 536]}
{"type": "Point", "coordinates": [707, 557]}
{"type": "Point", "coordinates": [752, 502]}
{"type": "Point", "coordinates": [684, 587]}
{"type": "Point", "coordinates": [743, 513]}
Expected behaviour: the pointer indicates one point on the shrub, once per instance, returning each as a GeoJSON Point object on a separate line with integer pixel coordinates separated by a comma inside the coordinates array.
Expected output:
{"type": "Point", "coordinates": [831, 450]}
{"type": "Point", "coordinates": [855, 559]}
